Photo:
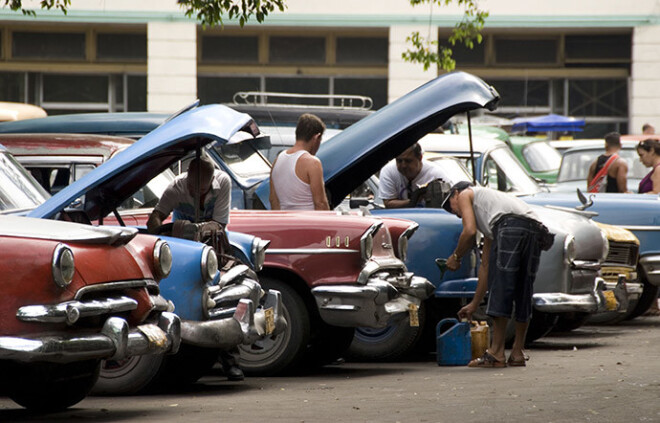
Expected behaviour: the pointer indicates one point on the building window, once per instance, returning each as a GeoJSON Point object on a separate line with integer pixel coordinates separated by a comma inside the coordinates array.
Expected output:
{"type": "Point", "coordinates": [130, 47]}
{"type": "Point", "coordinates": [376, 88]}
{"type": "Point", "coordinates": [362, 50]}
{"type": "Point", "coordinates": [230, 49]}
{"type": "Point", "coordinates": [136, 100]}
{"type": "Point", "coordinates": [589, 48]}
{"type": "Point", "coordinates": [222, 89]}
{"type": "Point", "coordinates": [523, 93]}
{"type": "Point", "coordinates": [12, 87]}
{"type": "Point", "coordinates": [297, 50]}
{"type": "Point", "coordinates": [465, 56]}
{"type": "Point", "coordinates": [518, 51]}
{"type": "Point", "coordinates": [298, 85]}
{"type": "Point", "coordinates": [75, 88]}
{"type": "Point", "coordinates": [48, 46]}
{"type": "Point", "coordinates": [598, 97]}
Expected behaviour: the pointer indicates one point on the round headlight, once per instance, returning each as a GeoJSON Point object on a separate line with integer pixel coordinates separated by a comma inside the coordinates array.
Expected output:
{"type": "Point", "coordinates": [606, 247]}
{"type": "Point", "coordinates": [209, 264]}
{"type": "Point", "coordinates": [569, 249]}
{"type": "Point", "coordinates": [259, 252]}
{"type": "Point", "coordinates": [162, 259]}
{"type": "Point", "coordinates": [63, 266]}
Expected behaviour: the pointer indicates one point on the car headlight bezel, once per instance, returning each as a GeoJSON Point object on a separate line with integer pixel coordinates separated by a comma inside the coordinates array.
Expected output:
{"type": "Point", "coordinates": [209, 264]}
{"type": "Point", "coordinates": [569, 249]}
{"type": "Point", "coordinates": [259, 247]}
{"type": "Point", "coordinates": [404, 240]}
{"type": "Point", "coordinates": [63, 265]}
{"type": "Point", "coordinates": [162, 259]}
{"type": "Point", "coordinates": [367, 241]}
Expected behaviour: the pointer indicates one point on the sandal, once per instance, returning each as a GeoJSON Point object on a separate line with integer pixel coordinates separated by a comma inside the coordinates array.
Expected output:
{"type": "Point", "coordinates": [487, 361]}
{"type": "Point", "coordinates": [519, 362]}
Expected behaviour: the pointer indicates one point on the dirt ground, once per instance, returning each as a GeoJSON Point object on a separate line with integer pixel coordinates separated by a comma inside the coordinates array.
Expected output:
{"type": "Point", "coordinates": [593, 374]}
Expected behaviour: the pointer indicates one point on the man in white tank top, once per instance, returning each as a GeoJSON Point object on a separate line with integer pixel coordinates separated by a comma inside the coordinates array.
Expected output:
{"type": "Point", "coordinates": [513, 240]}
{"type": "Point", "coordinates": [296, 179]}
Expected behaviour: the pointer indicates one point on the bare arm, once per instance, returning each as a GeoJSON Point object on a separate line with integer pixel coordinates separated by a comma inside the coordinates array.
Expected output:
{"type": "Point", "coordinates": [469, 233]}
{"type": "Point", "coordinates": [155, 221]}
{"type": "Point", "coordinates": [482, 284]}
{"type": "Point", "coordinates": [655, 178]}
{"type": "Point", "coordinates": [316, 184]}
{"type": "Point", "coordinates": [274, 200]}
{"type": "Point", "coordinates": [622, 176]}
{"type": "Point", "coordinates": [396, 204]}
{"type": "Point", "coordinates": [591, 174]}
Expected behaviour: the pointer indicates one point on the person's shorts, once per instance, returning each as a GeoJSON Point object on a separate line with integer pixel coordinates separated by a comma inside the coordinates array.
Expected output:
{"type": "Point", "coordinates": [514, 260]}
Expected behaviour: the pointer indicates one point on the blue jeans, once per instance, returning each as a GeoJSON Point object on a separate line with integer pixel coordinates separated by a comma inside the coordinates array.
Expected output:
{"type": "Point", "coordinates": [514, 260]}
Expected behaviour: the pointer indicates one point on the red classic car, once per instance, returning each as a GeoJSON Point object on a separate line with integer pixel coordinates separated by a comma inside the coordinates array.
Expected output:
{"type": "Point", "coordinates": [335, 272]}
{"type": "Point", "coordinates": [73, 295]}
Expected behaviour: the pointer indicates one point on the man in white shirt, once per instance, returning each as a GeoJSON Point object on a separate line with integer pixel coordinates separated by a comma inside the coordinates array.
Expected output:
{"type": "Point", "coordinates": [400, 178]}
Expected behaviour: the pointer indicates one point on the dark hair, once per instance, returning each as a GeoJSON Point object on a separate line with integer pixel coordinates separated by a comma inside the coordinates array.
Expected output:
{"type": "Point", "coordinates": [457, 187]}
{"type": "Point", "coordinates": [308, 126]}
{"type": "Point", "coordinates": [647, 126]}
{"type": "Point", "coordinates": [648, 145]}
{"type": "Point", "coordinates": [613, 139]}
{"type": "Point", "coordinates": [204, 165]}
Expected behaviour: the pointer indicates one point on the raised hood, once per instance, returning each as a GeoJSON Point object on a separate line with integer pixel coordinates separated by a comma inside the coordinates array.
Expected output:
{"type": "Point", "coordinates": [107, 186]}
{"type": "Point", "coordinates": [25, 227]}
{"type": "Point", "coordinates": [362, 149]}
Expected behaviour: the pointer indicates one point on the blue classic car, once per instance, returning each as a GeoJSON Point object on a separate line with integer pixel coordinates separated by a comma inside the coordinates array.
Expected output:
{"type": "Point", "coordinates": [218, 311]}
{"type": "Point", "coordinates": [497, 167]}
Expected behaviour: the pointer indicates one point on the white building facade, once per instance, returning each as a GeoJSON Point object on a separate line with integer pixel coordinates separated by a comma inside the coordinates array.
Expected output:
{"type": "Point", "coordinates": [598, 60]}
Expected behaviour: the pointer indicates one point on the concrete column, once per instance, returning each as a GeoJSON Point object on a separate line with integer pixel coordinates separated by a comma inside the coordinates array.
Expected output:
{"type": "Point", "coordinates": [404, 77]}
{"type": "Point", "coordinates": [171, 66]}
{"type": "Point", "coordinates": [645, 78]}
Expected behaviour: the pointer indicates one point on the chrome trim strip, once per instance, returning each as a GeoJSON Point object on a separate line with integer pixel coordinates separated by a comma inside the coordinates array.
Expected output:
{"type": "Point", "coordinates": [71, 311]}
{"type": "Point", "coordinates": [310, 251]}
{"type": "Point", "coordinates": [115, 286]}
{"type": "Point", "coordinates": [641, 228]}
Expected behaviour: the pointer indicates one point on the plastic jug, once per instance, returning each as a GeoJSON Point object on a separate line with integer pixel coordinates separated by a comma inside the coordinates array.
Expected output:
{"type": "Point", "coordinates": [480, 335]}
{"type": "Point", "coordinates": [454, 342]}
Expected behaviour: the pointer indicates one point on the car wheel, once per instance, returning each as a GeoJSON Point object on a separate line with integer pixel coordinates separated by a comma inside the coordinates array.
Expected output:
{"type": "Point", "coordinates": [387, 344]}
{"type": "Point", "coordinates": [649, 294]}
{"type": "Point", "coordinates": [46, 387]}
{"type": "Point", "coordinates": [283, 352]}
{"type": "Point", "coordinates": [571, 321]}
{"type": "Point", "coordinates": [128, 376]}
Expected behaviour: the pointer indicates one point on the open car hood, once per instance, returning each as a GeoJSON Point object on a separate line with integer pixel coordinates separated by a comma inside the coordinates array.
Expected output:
{"type": "Point", "coordinates": [107, 186]}
{"type": "Point", "coordinates": [362, 149]}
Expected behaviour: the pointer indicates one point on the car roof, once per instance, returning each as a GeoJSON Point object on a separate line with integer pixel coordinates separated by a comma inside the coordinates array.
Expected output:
{"type": "Point", "coordinates": [64, 144]}
{"type": "Point", "coordinates": [451, 143]}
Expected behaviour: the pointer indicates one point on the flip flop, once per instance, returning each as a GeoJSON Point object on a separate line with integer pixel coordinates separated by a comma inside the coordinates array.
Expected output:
{"type": "Point", "coordinates": [487, 361]}
{"type": "Point", "coordinates": [520, 362]}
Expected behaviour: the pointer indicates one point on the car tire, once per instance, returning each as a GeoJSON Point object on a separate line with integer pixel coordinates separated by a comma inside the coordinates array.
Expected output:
{"type": "Point", "coordinates": [128, 376]}
{"type": "Point", "coordinates": [387, 344]}
{"type": "Point", "coordinates": [649, 294]}
{"type": "Point", "coordinates": [282, 353]}
{"type": "Point", "coordinates": [570, 321]}
{"type": "Point", "coordinates": [47, 387]}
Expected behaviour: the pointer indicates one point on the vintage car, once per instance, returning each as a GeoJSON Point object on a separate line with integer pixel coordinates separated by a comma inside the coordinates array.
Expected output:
{"type": "Point", "coordinates": [538, 157]}
{"type": "Point", "coordinates": [218, 311]}
{"type": "Point", "coordinates": [73, 295]}
{"type": "Point", "coordinates": [582, 153]}
{"type": "Point", "coordinates": [335, 271]}
{"type": "Point", "coordinates": [497, 167]}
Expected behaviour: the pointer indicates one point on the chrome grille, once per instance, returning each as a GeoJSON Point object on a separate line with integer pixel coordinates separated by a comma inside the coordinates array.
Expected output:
{"type": "Point", "coordinates": [622, 253]}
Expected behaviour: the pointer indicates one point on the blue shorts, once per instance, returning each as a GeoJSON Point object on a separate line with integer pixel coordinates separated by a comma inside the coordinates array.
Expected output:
{"type": "Point", "coordinates": [514, 260]}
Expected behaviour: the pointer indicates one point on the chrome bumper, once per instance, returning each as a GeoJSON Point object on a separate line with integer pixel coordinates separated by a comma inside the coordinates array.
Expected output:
{"type": "Point", "coordinates": [116, 341]}
{"type": "Point", "coordinates": [651, 266]}
{"type": "Point", "coordinates": [375, 304]}
{"type": "Point", "coordinates": [559, 302]}
{"type": "Point", "coordinates": [256, 316]}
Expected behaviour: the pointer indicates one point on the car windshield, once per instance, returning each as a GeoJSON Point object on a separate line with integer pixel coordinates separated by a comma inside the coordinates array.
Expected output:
{"type": "Point", "coordinates": [502, 171]}
{"type": "Point", "coordinates": [452, 167]}
{"type": "Point", "coordinates": [243, 160]}
{"type": "Point", "coordinates": [148, 195]}
{"type": "Point", "coordinates": [18, 190]}
{"type": "Point", "coordinates": [541, 157]}
{"type": "Point", "coordinates": [575, 164]}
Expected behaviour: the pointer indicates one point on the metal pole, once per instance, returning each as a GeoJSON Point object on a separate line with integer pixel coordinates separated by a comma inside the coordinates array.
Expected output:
{"type": "Point", "coordinates": [198, 188]}
{"type": "Point", "coordinates": [474, 169]}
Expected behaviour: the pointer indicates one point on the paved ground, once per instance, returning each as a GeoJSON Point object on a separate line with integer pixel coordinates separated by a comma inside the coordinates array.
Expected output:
{"type": "Point", "coordinates": [594, 374]}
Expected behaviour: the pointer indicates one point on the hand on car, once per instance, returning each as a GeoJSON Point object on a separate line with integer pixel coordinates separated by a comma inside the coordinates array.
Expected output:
{"type": "Point", "coordinates": [467, 311]}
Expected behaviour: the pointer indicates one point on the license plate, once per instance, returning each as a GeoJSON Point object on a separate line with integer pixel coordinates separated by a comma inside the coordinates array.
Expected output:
{"type": "Point", "coordinates": [611, 303]}
{"type": "Point", "coordinates": [155, 335]}
{"type": "Point", "coordinates": [414, 315]}
{"type": "Point", "coordinates": [270, 320]}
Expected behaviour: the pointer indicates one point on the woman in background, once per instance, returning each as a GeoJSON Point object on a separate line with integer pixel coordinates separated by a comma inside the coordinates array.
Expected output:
{"type": "Point", "coordinates": [649, 155]}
